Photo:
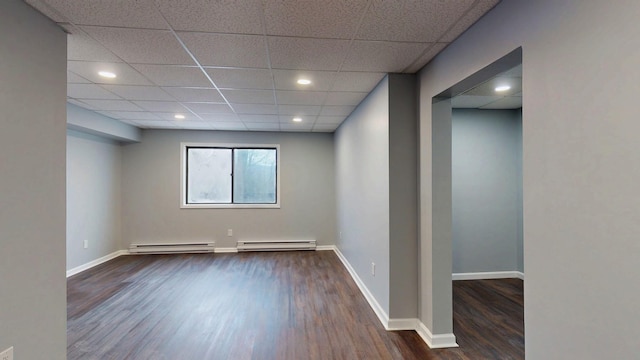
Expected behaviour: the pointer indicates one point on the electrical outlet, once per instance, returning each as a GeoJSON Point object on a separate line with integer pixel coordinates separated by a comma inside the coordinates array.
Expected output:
{"type": "Point", "coordinates": [7, 354]}
{"type": "Point", "coordinates": [86, 246]}
{"type": "Point", "coordinates": [373, 269]}
{"type": "Point", "coordinates": [229, 232]}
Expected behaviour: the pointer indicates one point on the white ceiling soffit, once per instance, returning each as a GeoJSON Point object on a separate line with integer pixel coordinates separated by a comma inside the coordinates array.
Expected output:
{"type": "Point", "coordinates": [233, 65]}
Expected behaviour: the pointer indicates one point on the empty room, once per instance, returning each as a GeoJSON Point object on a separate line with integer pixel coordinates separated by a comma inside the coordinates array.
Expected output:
{"type": "Point", "coordinates": [289, 179]}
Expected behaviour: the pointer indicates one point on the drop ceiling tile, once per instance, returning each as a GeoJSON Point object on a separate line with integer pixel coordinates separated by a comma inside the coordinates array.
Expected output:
{"type": "Point", "coordinates": [227, 49]}
{"type": "Point", "coordinates": [325, 127]}
{"type": "Point", "coordinates": [345, 98]}
{"type": "Point", "coordinates": [171, 116]}
{"type": "Point", "coordinates": [300, 97]}
{"type": "Point", "coordinates": [255, 109]}
{"type": "Point", "coordinates": [124, 13]}
{"type": "Point", "coordinates": [262, 126]}
{"type": "Point", "coordinates": [488, 88]}
{"type": "Point", "coordinates": [112, 105]}
{"type": "Point", "coordinates": [220, 117]}
{"type": "Point", "coordinates": [249, 96]}
{"type": "Point", "coordinates": [181, 76]}
{"type": "Point", "coordinates": [156, 124]}
{"type": "Point", "coordinates": [337, 110]}
{"type": "Point", "coordinates": [287, 119]}
{"type": "Point", "coordinates": [481, 8]}
{"type": "Point", "coordinates": [258, 118]}
{"type": "Point", "coordinates": [256, 79]}
{"type": "Point", "coordinates": [81, 104]}
{"type": "Point", "coordinates": [320, 80]}
{"type": "Point", "coordinates": [382, 56]}
{"type": "Point", "coordinates": [209, 108]}
{"type": "Point", "coordinates": [507, 102]}
{"type": "Point", "coordinates": [125, 74]}
{"type": "Point", "coordinates": [427, 56]}
{"type": "Point", "coordinates": [472, 102]}
{"type": "Point", "coordinates": [330, 120]}
{"type": "Point", "coordinates": [130, 92]}
{"type": "Point", "coordinates": [357, 81]}
{"type": "Point", "coordinates": [228, 126]}
{"type": "Point", "coordinates": [82, 47]}
{"type": "Point", "coordinates": [299, 109]}
{"type": "Point", "coordinates": [130, 115]}
{"type": "Point", "coordinates": [73, 78]}
{"type": "Point", "coordinates": [194, 94]}
{"type": "Point", "coordinates": [141, 46]}
{"type": "Point", "coordinates": [224, 16]}
{"type": "Point", "coordinates": [420, 21]}
{"type": "Point", "coordinates": [296, 127]}
{"type": "Point", "coordinates": [306, 53]}
{"type": "Point", "coordinates": [162, 106]}
{"type": "Point", "coordinates": [311, 18]}
{"type": "Point", "coordinates": [89, 91]}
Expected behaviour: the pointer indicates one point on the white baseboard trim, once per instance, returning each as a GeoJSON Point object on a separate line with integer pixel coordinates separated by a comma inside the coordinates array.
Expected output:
{"type": "Point", "coordinates": [439, 341]}
{"type": "Point", "coordinates": [382, 315]}
{"type": "Point", "coordinates": [226, 250]}
{"type": "Point", "coordinates": [401, 324]}
{"type": "Point", "coordinates": [96, 262]}
{"type": "Point", "coordinates": [488, 275]}
{"type": "Point", "coordinates": [326, 247]}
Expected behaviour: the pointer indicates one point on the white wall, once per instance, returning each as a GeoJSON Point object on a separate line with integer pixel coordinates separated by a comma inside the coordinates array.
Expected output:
{"type": "Point", "coordinates": [151, 192]}
{"type": "Point", "coordinates": [94, 171]}
{"type": "Point", "coordinates": [580, 179]}
{"type": "Point", "coordinates": [32, 184]}
{"type": "Point", "coordinates": [362, 189]}
{"type": "Point", "coordinates": [486, 188]}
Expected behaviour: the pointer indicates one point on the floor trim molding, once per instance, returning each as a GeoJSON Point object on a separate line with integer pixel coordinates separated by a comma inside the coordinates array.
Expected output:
{"type": "Point", "coordinates": [96, 262]}
{"type": "Point", "coordinates": [488, 275]}
{"type": "Point", "coordinates": [382, 315]}
{"type": "Point", "coordinates": [326, 247]}
{"type": "Point", "coordinates": [225, 250]}
{"type": "Point", "coordinates": [438, 341]}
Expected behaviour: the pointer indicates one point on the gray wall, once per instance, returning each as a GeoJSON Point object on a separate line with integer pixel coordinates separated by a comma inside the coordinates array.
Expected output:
{"type": "Point", "coordinates": [376, 180]}
{"type": "Point", "coordinates": [580, 173]}
{"type": "Point", "coordinates": [362, 186]}
{"type": "Point", "coordinates": [486, 190]}
{"type": "Point", "coordinates": [403, 197]}
{"type": "Point", "coordinates": [93, 197]}
{"type": "Point", "coordinates": [151, 192]}
{"type": "Point", "coordinates": [32, 184]}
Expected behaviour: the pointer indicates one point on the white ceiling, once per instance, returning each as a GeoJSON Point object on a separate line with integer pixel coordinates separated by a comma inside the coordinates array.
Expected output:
{"type": "Point", "coordinates": [233, 65]}
{"type": "Point", "coordinates": [484, 96]}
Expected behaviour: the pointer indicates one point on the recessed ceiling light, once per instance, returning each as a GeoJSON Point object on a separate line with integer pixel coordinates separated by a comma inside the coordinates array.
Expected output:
{"type": "Point", "coordinates": [107, 74]}
{"type": "Point", "coordinates": [179, 116]}
{"type": "Point", "coordinates": [503, 88]}
{"type": "Point", "coordinates": [304, 81]}
{"type": "Point", "coordinates": [297, 119]}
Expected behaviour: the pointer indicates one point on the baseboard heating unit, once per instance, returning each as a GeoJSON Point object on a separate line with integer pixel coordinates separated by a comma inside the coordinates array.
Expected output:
{"type": "Point", "coordinates": [172, 248]}
{"type": "Point", "coordinates": [276, 245]}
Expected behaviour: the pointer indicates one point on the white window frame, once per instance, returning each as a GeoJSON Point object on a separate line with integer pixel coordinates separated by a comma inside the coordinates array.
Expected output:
{"type": "Point", "coordinates": [183, 176]}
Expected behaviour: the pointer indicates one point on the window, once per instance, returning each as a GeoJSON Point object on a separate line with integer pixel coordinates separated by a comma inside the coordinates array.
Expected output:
{"type": "Point", "coordinates": [228, 176]}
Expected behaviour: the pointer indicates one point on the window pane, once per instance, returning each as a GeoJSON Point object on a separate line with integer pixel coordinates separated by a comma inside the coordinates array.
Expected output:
{"type": "Point", "coordinates": [254, 176]}
{"type": "Point", "coordinates": [209, 176]}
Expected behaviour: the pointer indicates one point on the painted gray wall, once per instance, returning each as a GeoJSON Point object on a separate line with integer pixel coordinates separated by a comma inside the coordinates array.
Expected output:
{"type": "Point", "coordinates": [403, 196]}
{"type": "Point", "coordinates": [151, 192]}
{"type": "Point", "coordinates": [376, 180]}
{"type": "Point", "coordinates": [580, 179]}
{"type": "Point", "coordinates": [32, 184]}
{"type": "Point", "coordinates": [91, 122]}
{"type": "Point", "coordinates": [486, 190]}
{"type": "Point", "coordinates": [362, 189]}
{"type": "Point", "coordinates": [94, 171]}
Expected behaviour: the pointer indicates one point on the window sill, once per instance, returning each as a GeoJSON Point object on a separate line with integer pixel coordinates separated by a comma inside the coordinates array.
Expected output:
{"type": "Point", "coordinates": [230, 206]}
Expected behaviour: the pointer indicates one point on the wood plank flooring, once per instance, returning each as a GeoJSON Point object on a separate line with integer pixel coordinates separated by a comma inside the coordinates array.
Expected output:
{"type": "Point", "coordinates": [285, 305]}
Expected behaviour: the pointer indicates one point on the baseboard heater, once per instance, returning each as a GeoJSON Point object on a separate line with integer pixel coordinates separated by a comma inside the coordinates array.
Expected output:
{"type": "Point", "coordinates": [172, 248]}
{"type": "Point", "coordinates": [278, 245]}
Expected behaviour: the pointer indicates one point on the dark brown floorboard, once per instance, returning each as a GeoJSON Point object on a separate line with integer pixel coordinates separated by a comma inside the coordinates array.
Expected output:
{"type": "Point", "coordinates": [287, 305]}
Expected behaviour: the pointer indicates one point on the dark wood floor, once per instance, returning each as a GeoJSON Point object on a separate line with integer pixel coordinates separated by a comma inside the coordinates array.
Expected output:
{"type": "Point", "coordinates": [286, 305]}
